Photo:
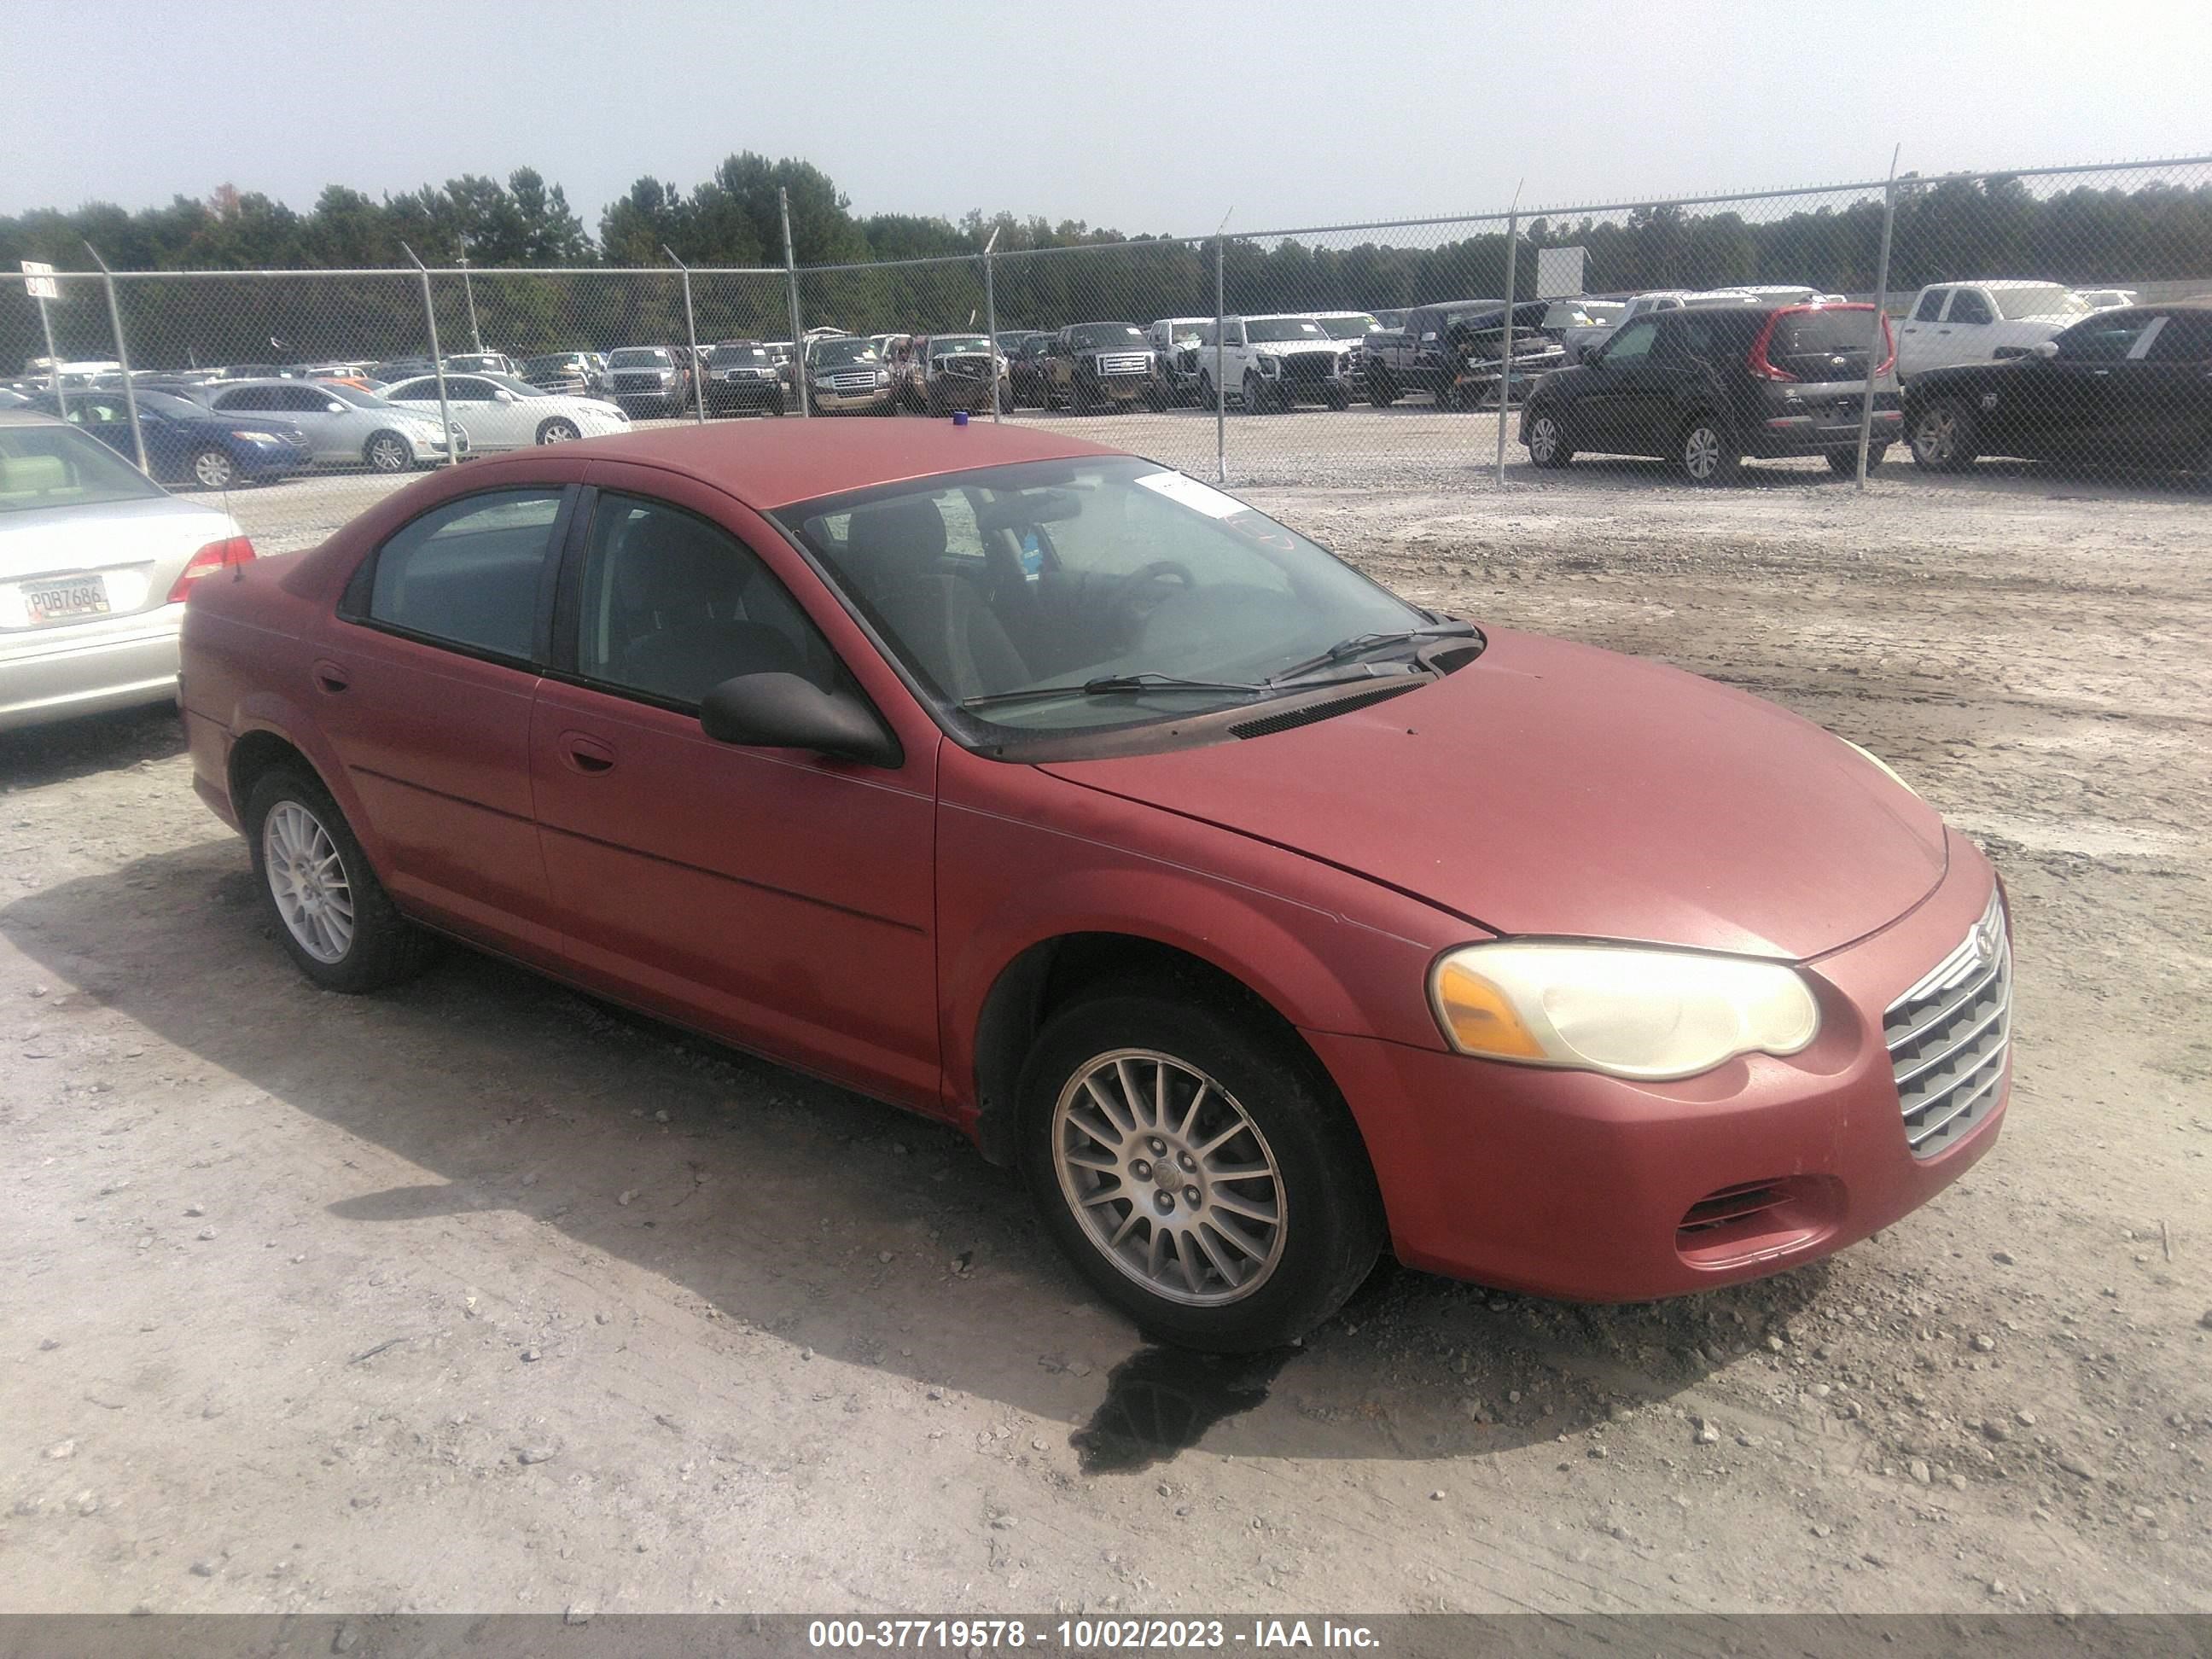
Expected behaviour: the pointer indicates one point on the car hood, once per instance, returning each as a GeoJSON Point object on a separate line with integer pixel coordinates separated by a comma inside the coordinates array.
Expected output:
{"type": "Point", "coordinates": [1553, 788]}
{"type": "Point", "coordinates": [1277, 347]}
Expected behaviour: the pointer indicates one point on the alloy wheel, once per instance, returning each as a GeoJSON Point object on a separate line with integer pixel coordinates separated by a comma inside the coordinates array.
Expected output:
{"type": "Point", "coordinates": [1168, 1177]}
{"type": "Point", "coordinates": [1543, 440]}
{"type": "Point", "coordinates": [389, 455]}
{"type": "Point", "coordinates": [1701, 453]}
{"type": "Point", "coordinates": [213, 469]}
{"type": "Point", "coordinates": [308, 878]}
{"type": "Point", "coordinates": [1935, 438]}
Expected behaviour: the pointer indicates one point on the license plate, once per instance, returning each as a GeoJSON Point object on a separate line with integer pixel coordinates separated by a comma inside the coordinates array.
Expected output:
{"type": "Point", "coordinates": [52, 602]}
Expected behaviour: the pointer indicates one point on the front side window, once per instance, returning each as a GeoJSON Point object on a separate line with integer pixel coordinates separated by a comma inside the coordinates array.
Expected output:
{"type": "Point", "coordinates": [1967, 306]}
{"type": "Point", "coordinates": [1042, 576]}
{"type": "Point", "coordinates": [671, 606]}
{"type": "Point", "coordinates": [1633, 344]}
{"type": "Point", "coordinates": [1930, 308]}
{"type": "Point", "coordinates": [468, 572]}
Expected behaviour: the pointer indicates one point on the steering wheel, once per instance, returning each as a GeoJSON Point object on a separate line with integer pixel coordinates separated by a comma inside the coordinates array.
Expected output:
{"type": "Point", "coordinates": [1127, 591]}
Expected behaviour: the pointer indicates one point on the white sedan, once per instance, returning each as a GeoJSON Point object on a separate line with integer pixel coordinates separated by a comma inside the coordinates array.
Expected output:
{"type": "Point", "coordinates": [500, 413]}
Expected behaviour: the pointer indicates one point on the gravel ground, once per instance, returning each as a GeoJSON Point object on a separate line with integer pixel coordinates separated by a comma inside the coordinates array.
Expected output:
{"type": "Point", "coordinates": [476, 1296]}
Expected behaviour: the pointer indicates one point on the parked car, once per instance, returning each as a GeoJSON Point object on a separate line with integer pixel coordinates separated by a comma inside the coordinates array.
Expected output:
{"type": "Point", "coordinates": [95, 560]}
{"type": "Point", "coordinates": [2130, 386]}
{"type": "Point", "coordinates": [848, 376]}
{"type": "Point", "coordinates": [185, 442]}
{"type": "Point", "coordinates": [946, 372]}
{"type": "Point", "coordinates": [2106, 298]}
{"type": "Point", "coordinates": [1174, 341]}
{"type": "Point", "coordinates": [1979, 322]}
{"type": "Point", "coordinates": [1705, 386]}
{"type": "Point", "coordinates": [1026, 378]}
{"type": "Point", "coordinates": [743, 375]}
{"type": "Point", "coordinates": [344, 427]}
{"type": "Point", "coordinates": [577, 373]}
{"type": "Point", "coordinates": [1095, 366]}
{"type": "Point", "coordinates": [1421, 356]}
{"type": "Point", "coordinates": [499, 411]}
{"type": "Point", "coordinates": [1276, 362]}
{"type": "Point", "coordinates": [647, 381]}
{"type": "Point", "coordinates": [1246, 908]}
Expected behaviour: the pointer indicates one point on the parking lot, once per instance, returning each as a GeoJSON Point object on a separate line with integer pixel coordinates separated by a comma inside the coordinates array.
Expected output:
{"type": "Point", "coordinates": [479, 1296]}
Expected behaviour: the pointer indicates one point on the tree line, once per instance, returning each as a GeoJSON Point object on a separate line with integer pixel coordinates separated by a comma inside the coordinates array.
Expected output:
{"type": "Point", "coordinates": [1047, 273]}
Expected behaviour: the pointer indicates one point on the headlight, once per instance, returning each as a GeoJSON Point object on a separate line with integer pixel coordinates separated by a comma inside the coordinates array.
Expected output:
{"type": "Point", "coordinates": [271, 438]}
{"type": "Point", "coordinates": [1616, 1009]}
{"type": "Point", "coordinates": [1887, 770]}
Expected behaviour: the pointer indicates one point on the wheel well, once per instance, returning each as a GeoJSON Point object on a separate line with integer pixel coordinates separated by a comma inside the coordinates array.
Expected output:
{"type": "Point", "coordinates": [1050, 975]}
{"type": "Point", "coordinates": [254, 754]}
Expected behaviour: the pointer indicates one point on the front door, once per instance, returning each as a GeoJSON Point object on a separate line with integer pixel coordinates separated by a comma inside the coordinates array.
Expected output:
{"type": "Point", "coordinates": [424, 682]}
{"type": "Point", "coordinates": [778, 898]}
{"type": "Point", "coordinates": [1614, 387]}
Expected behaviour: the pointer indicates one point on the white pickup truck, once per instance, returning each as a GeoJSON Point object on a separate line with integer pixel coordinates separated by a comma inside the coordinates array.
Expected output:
{"type": "Point", "coordinates": [1978, 322]}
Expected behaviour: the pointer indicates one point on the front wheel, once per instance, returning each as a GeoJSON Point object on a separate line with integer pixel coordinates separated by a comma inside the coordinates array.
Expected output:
{"type": "Point", "coordinates": [1548, 439]}
{"type": "Point", "coordinates": [388, 452]}
{"type": "Point", "coordinates": [558, 431]}
{"type": "Point", "coordinates": [1943, 436]}
{"type": "Point", "coordinates": [1256, 393]}
{"type": "Point", "coordinates": [1707, 452]}
{"type": "Point", "coordinates": [1844, 463]}
{"type": "Point", "coordinates": [1381, 390]}
{"type": "Point", "coordinates": [1205, 398]}
{"type": "Point", "coordinates": [1199, 1170]}
{"type": "Point", "coordinates": [334, 917]}
{"type": "Point", "coordinates": [213, 469]}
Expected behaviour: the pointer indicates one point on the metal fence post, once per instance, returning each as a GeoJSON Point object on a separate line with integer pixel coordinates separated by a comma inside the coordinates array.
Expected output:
{"type": "Point", "coordinates": [122, 358]}
{"type": "Point", "coordinates": [1880, 312]}
{"type": "Point", "coordinates": [53, 359]}
{"type": "Point", "coordinates": [1220, 357]}
{"type": "Point", "coordinates": [1506, 344]}
{"type": "Point", "coordinates": [437, 358]}
{"type": "Point", "coordinates": [991, 325]}
{"type": "Point", "coordinates": [692, 337]}
{"type": "Point", "coordinates": [797, 339]}
{"type": "Point", "coordinates": [469, 289]}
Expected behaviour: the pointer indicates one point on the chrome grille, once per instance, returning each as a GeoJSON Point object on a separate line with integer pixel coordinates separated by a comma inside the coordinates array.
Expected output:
{"type": "Point", "coordinates": [859, 380]}
{"type": "Point", "coordinates": [1949, 1035]}
{"type": "Point", "coordinates": [1124, 363]}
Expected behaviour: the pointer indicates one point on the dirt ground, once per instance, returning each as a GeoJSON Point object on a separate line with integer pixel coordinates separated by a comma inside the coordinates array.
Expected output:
{"type": "Point", "coordinates": [476, 1296]}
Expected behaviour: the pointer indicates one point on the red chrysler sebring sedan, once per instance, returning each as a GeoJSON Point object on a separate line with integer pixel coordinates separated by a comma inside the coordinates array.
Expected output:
{"type": "Point", "coordinates": [1263, 918]}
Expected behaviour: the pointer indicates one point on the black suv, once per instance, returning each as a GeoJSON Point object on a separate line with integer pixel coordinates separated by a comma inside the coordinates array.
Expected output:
{"type": "Point", "coordinates": [743, 374]}
{"type": "Point", "coordinates": [1706, 388]}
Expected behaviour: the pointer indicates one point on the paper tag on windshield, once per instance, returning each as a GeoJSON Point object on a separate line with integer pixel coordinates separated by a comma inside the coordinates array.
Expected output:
{"type": "Point", "coordinates": [1188, 492]}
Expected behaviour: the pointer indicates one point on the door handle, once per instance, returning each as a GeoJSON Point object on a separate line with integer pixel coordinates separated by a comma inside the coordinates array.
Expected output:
{"type": "Point", "coordinates": [332, 677]}
{"type": "Point", "coordinates": [586, 755]}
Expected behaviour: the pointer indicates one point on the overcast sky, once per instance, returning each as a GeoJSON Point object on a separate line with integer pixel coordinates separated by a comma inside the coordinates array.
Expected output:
{"type": "Point", "coordinates": [1139, 116]}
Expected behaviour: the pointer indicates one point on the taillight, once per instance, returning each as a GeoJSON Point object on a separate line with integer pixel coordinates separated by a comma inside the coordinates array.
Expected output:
{"type": "Point", "coordinates": [1758, 361]}
{"type": "Point", "coordinates": [216, 556]}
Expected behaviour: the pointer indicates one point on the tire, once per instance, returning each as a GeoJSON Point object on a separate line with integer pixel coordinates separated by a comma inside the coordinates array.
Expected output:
{"type": "Point", "coordinates": [1381, 390]}
{"type": "Point", "coordinates": [1078, 397]}
{"type": "Point", "coordinates": [388, 452]}
{"type": "Point", "coordinates": [1337, 398]}
{"type": "Point", "coordinates": [1548, 439]}
{"type": "Point", "coordinates": [1706, 450]}
{"type": "Point", "coordinates": [1844, 463]}
{"type": "Point", "coordinates": [1313, 1172]}
{"type": "Point", "coordinates": [1256, 393]}
{"type": "Point", "coordinates": [1942, 437]}
{"type": "Point", "coordinates": [291, 822]}
{"type": "Point", "coordinates": [212, 468]}
{"type": "Point", "coordinates": [558, 430]}
{"type": "Point", "coordinates": [1205, 398]}
{"type": "Point", "coordinates": [1156, 398]}
{"type": "Point", "coordinates": [774, 406]}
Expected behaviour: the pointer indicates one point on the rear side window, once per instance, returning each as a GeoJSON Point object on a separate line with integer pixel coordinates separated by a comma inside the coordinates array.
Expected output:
{"type": "Point", "coordinates": [2109, 339]}
{"type": "Point", "coordinates": [468, 573]}
{"type": "Point", "coordinates": [2186, 338]}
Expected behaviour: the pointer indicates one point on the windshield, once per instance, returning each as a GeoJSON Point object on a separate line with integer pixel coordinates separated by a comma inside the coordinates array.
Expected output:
{"type": "Point", "coordinates": [945, 345]}
{"type": "Point", "coordinates": [741, 356]}
{"type": "Point", "coordinates": [2043, 299]}
{"type": "Point", "coordinates": [1356, 327]}
{"type": "Point", "coordinates": [43, 466]}
{"type": "Point", "coordinates": [547, 365]}
{"type": "Point", "coordinates": [836, 354]}
{"type": "Point", "coordinates": [354, 395]}
{"type": "Point", "coordinates": [1055, 573]}
{"type": "Point", "coordinates": [1089, 336]}
{"type": "Point", "coordinates": [1283, 328]}
{"type": "Point", "coordinates": [639, 357]}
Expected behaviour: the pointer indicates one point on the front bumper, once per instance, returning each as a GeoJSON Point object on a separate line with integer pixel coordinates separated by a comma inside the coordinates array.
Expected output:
{"type": "Point", "coordinates": [745, 394]}
{"type": "Point", "coordinates": [859, 398]}
{"type": "Point", "coordinates": [260, 461]}
{"type": "Point", "coordinates": [58, 673]}
{"type": "Point", "coordinates": [1570, 1184]}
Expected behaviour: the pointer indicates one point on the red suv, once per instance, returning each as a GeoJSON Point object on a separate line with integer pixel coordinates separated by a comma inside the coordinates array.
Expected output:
{"type": "Point", "coordinates": [1264, 919]}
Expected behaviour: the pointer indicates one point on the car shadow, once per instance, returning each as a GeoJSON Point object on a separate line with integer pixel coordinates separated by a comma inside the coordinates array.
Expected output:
{"type": "Point", "coordinates": [832, 1222]}
{"type": "Point", "coordinates": [68, 750]}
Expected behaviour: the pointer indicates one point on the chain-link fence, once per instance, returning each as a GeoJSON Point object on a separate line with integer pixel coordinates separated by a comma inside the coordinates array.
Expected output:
{"type": "Point", "coordinates": [2040, 317]}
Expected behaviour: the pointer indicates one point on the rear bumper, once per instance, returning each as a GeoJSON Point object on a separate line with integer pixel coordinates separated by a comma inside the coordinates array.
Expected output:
{"type": "Point", "coordinates": [1572, 1185]}
{"type": "Point", "coordinates": [1788, 432]}
{"type": "Point", "coordinates": [59, 673]}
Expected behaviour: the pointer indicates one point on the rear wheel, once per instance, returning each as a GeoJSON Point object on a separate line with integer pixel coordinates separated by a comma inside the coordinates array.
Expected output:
{"type": "Point", "coordinates": [1706, 452]}
{"type": "Point", "coordinates": [213, 469]}
{"type": "Point", "coordinates": [1548, 439]}
{"type": "Point", "coordinates": [388, 452]}
{"type": "Point", "coordinates": [1943, 436]}
{"type": "Point", "coordinates": [1381, 390]}
{"type": "Point", "coordinates": [1199, 1172]}
{"type": "Point", "coordinates": [1845, 462]}
{"type": "Point", "coordinates": [331, 913]}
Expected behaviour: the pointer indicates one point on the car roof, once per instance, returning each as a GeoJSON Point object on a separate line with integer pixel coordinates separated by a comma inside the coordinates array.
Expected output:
{"type": "Point", "coordinates": [769, 464]}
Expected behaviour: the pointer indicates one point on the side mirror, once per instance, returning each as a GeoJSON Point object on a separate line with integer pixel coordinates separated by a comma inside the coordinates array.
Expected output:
{"type": "Point", "coordinates": [334, 407]}
{"type": "Point", "coordinates": [503, 396]}
{"type": "Point", "coordinates": [2045, 349]}
{"type": "Point", "coordinates": [783, 711]}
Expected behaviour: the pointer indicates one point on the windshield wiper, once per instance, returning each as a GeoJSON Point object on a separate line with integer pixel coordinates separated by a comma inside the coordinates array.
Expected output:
{"type": "Point", "coordinates": [1110, 685]}
{"type": "Point", "coordinates": [1360, 644]}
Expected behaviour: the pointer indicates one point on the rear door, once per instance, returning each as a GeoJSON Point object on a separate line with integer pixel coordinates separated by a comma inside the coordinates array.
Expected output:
{"type": "Point", "coordinates": [425, 684]}
{"type": "Point", "coordinates": [2166, 392]}
{"type": "Point", "coordinates": [776, 897]}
